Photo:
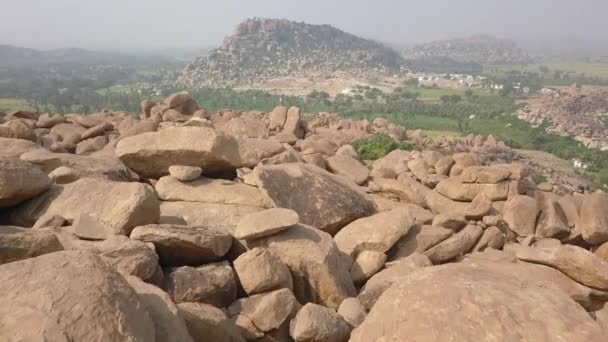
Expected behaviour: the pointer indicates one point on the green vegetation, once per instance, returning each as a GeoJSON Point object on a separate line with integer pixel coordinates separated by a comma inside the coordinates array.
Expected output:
{"type": "Point", "coordinates": [538, 178]}
{"type": "Point", "coordinates": [378, 146]}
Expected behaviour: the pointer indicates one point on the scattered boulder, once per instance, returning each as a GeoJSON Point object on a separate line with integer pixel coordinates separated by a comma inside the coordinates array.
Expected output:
{"type": "Point", "coordinates": [422, 308]}
{"type": "Point", "coordinates": [348, 167]}
{"type": "Point", "coordinates": [352, 312]}
{"type": "Point", "coordinates": [22, 243]}
{"type": "Point", "coordinates": [520, 214]}
{"type": "Point", "coordinates": [375, 233]}
{"type": "Point", "coordinates": [479, 207]}
{"type": "Point", "coordinates": [265, 223]}
{"type": "Point", "coordinates": [366, 265]}
{"type": "Point", "coordinates": [321, 199]}
{"type": "Point", "coordinates": [316, 323]}
{"type": "Point", "coordinates": [206, 322]}
{"type": "Point", "coordinates": [64, 294]}
{"type": "Point", "coordinates": [181, 245]}
{"type": "Point", "coordinates": [418, 240]}
{"type": "Point", "coordinates": [260, 270]}
{"type": "Point", "coordinates": [577, 263]}
{"type": "Point", "coordinates": [267, 311]}
{"type": "Point", "coordinates": [213, 284]}
{"type": "Point", "coordinates": [209, 215]}
{"type": "Point", "coordinates": [151, 154]}
{"type": "Point", "coordinates": [458, 244]}
{"type": "Point", "coordinates": [20, 181]}
{"type": "Point", "coordinates": [593, 219]}
{"type": "Point", "coordinates": [320, 273]}
{"type": "Point", "coordinates": [121, 205]}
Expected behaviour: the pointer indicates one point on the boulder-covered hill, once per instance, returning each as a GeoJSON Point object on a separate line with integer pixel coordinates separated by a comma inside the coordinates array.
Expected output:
{"type": "Point", "coordinates": [261, 49]}
{"type": "Point", "coordinates": [478, 49]}
{"type": "Point", "coordinates": [578, 112]}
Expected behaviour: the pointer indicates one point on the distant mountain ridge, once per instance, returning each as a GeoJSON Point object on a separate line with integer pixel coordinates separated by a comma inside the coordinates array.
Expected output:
{"type": "Point", "coordinates": [265, 48]}
{"type": "Point", "coordinates": [14, 56]}
{"type": "Point", "coordinates": [477, 49]}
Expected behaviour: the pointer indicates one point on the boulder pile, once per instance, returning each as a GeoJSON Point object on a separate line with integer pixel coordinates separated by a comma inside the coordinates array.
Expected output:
{"type": "Point", "coordinates": [182, 225]}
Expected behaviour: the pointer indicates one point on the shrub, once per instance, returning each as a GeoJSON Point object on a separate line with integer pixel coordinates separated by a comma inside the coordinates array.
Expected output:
{"type": "Point", "coordinates": [378, 146]}
{"type": "Point", "coordinates": [538, 178]}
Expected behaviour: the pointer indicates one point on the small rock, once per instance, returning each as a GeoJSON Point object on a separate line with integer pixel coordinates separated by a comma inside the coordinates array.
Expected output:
{"type": "Point", "coordinates": [213, 284]}
{"type": "Point", "coordinates": [316, 323]}
{"type": "Point", "coordinates": [265, 223]}
{"type": "Point", "coordinates": [259, 270]}
{"type": "Point", "coordinates": [185, 173]}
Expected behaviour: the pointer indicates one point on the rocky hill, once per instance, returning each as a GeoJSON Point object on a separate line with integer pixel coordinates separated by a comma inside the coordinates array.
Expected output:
{"type": "Point", "coordinates": [479, 49]}
{"type": "Point", "coordinates": [177, 224]}
{"type": "Point", "coordinates": [261, 49]}
{"type": "Point", "coordinates": [578, 112]}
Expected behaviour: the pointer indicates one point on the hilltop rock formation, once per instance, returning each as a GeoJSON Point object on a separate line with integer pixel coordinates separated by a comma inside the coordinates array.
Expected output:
{"type": "Point", "coordinates": [580, 112]}
{"type": "Point", "coordinates": [478, 49]}
{"type": "Point", "coordinates": [194, 228]}
{"type": "Point", "coordinates": [260, 49]}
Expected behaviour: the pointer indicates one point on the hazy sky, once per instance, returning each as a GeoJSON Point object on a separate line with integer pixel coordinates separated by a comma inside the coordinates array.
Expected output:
{"type": "Point", "coordinates": [148, 24]}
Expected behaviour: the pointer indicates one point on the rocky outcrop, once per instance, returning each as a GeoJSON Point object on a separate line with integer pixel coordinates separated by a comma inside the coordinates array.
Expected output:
{"type": "Point", "coordinates": [260, 49]}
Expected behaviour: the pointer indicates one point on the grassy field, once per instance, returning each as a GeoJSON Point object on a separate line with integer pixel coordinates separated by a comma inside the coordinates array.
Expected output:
{"type": "Point", "coordinates": [7, 105]}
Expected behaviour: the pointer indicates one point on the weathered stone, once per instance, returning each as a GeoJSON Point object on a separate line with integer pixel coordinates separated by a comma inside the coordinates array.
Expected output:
{"type": "Point", "coordinates": [577, 263]}
{"type": "Point", "coordinates": [22, 243]}
{"type": "Point", "coordinates": [419, 239]}
{"type": "Point", "coordinates": [320, 273]}
{"type": "Point", "coordinates": [316, 323]}
{"type": "Point", "coordinates": [458, 244]}
{"type": "Point", "coordinates": [14, 148]}
{"type": "Point", "coordinates": [60, 296]}
{"type": "Point", "coordinates": [169, 326]}
{"type": "Point", "coordinates": [213, 284]}
{"type": "Point", "coordinates": [321, 199]}
{"type": "Point", "coordinates": [406, 188]}
{"type": "Point", "coordinates": [210, 215]}
{"type": "Point", "coordinates": [265, 223]}
{"type": "Point", "coordinates": [453, 222]}
{"type": "Point", "coordinates": [151, 154]}
{"type": "Point", "coordinates": [208, 190]}
{"type": "Point", "coordinates": [246, 327]}
{"type": "Point", "coordinates": [267, 311]}
{"type": "Point", "coordinates": [259, 270]}
{"type": "Point", "coordinates": [352, 311]}
{"type": "Point", "coordinates": [246, 127]}
{"type": "Point", "coordinates": [520, 214]}
{"type": "Point", "coordinates": [208, 323]}
{"type": "Point", "coordinates": [181, 102]}
{"type": "Point", "coordinates": [422, 308]}
{"type": "Point", "coordinates": [492, 238]}
{"type": "Point", "coordinates": [87, 227]}
{"type": "Point", "coordinates": [180, 245]}
{"type": "Point", "coordinates": [593, 220]}
{"type": "Point", "coordinates": [419, 168]}
{"type": "Point", "coordinates": [479, 207]}
{"type": "Point", "coordinates": [292, 123]}
{"type": "Point", "coordinates": [443, 166]}
{"type": "Point", "coordinates": [456, 190]}
{"type": "Point", "coordinates": [108, 168]}
{"type": "Point", "coordinates": [20, 181]}
{"type": "Point", "coordinates": [551, 222]}
{"type": "Point", "coordinates": [440, 204]}
{"type": "Point", "coordinates": [348, 167]}
{"type": "Point", "coordinates": [185, 173]}
{"type": "Point", "coordinates": [278, 117]}
{"type": "Point", "coordinates": [384, 279]}
{"type": "Point", "coordinates": [122, 205]}
{"type": "Point", "coordinates": [485, 174]}
{"type": "Point", "coordinates": [375, 233]}
{"type": "Point", "coordinates": [366, 265]}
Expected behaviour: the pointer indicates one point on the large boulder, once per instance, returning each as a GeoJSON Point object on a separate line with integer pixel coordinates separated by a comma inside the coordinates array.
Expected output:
{"type": "Point", "coordinates": [320, 273]}
{"type": "Point", "coordinates": [23, 243]}
{"type": "Point", "coordinates": [181, 102]}
{"type": "Point", "coordinates": [495, 307]}
{"type": "Point", "coordinates": [419, 239]}
{"type": "Point", "coordinates": [209, 215]}
{"type": "Point", "coordinates": [455, 189]}
{"type": "Point", "coordinates": [268, 311]}
{"type": "Point", "coordinates": [61, 296]}
{"type": "Point", "coordinates": [520, 214]}
{"type": "Point", "coordinates": [457, 244]}
{"type": "Point", "coordinates": [246, 127]}
{"type": "Point", "coordinates": [181, 245]}
{"type": "Point", "coordinates": [321, 199]}
{"type": "Point", "coordinates": [208, 190]}
{"type": "Point", "coordinates": [375, 233]}
{"type": "Point", "coordinates": [122, 206]}
{"type": "Point", "coordinates": [151, 154]}
{"type": "Point", "coordinates": [593, 218]}
{"type": "Point", "coordinates": [577, 263]}
{"type": "Point", "coordinates": [14, 148]}
{"type": "Point", "coordinates": [20, 181]}
{"type": "Point", "coordinates": [265, 223]}
{"type": "Point", "coordinates": [109, 168]}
